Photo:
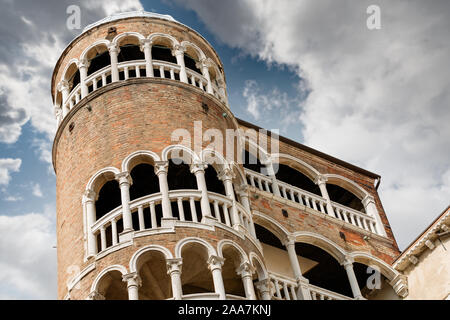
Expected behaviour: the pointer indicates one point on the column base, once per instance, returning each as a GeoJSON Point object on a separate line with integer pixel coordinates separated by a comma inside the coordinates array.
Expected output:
{"type": "Point", "coordinates": [126, 235]}
{"type": "Point", "coordinates": [209, 220]}
{"type": "Point", "coordinates": [168, 222]}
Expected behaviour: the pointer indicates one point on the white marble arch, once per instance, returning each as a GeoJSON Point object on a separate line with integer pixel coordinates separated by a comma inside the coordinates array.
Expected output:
{"type": "Point", "coordinates": [227, 242]}
{"type": "Point", "coordinates": [71, 62]}
{"type": "Point", "coordinates": [189, 156]}
{"type": "Point", "coordinates": [321, 242]}
{"type": "Point", "coordinates": [105, 271]}
{"type": "Point", "coordinates": [117, 39]}
{"type": "Point", "coordinates": [158, 35]}
{"type": "Point", "coordinates": [180, 244]}
{"type": "Point", "coordinates": [369, 260]}
{"type": "Point", "coordinates": [152, 247]}
{"type": "Point", "coordinates": [261, 269]}
{"type": "Point", "coordinates": [136, 156]}
{"type": "Point", "coordinates": [102, 175]}
{"type": "Point", "coordinates": [200, 54]}
{"type": "Point", "coordinates": [98, 43]}
{"type": "Point", "coordinates": [298, 165]}
{"type": "Point", "coordinates": [347, 184]}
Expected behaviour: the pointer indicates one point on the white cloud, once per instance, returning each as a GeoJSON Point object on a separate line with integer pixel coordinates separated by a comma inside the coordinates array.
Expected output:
{"type": "Point", "coordinates": [27, 259]}
{"type": "Point", "coordinates": [13, 198]}
{"type": "Point", "coordinates": [378, 99]}
{"type": "Point", "coordinates": [7, 166]}
{"type": "Point", "coordinates": [37, 192]}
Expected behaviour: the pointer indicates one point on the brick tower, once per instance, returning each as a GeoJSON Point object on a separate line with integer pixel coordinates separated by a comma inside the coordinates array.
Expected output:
{"type": "Point", "coordinates": [141, 214]}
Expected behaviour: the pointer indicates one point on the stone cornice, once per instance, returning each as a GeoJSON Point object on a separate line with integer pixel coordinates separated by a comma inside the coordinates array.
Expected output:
{"type": "Point", "coordinates": [424, 241]}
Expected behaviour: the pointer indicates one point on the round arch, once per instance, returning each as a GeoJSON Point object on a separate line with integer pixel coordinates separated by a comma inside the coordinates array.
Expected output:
{"type": "Point", "coordinates": [199, 53]}
{"type": "Point", "coordinates": [226, 242]}
{"type": "Point", "coordinates": [260, 267]}
{"type": "Point", "coordinates": [210, 156]}
{"type": "Point", "coordinates": [321, 242]}
{"type": "Point", "coordinates": [154, 37]}
{"type": "Point", "coordinates": [100, 177]}
{"type": "Point", "coordinates": [369, 260]}
{"type": "Point", "coordinates": [272, 225]}
{"type": "Point", "coordinates": [108, 269]}
{"type": "Point", "coordinates": [347, 184]}
{"type": "Point", "coordinates": [184, 153]}
{"type": "Point", "coordinates": [98, 43]}
{"type": "Point", "coordinates": [140, 156]}
{"type": "Point", "coordinates": [123, 36]}
{"type": "Point", "coordinates": [153, 247]}
{"type": "Point", "coordinates": [296, 164]}
{"type": "Point", "coordinates": [68, 67]}
{"type": "Point", "coordinates": [180, 244]}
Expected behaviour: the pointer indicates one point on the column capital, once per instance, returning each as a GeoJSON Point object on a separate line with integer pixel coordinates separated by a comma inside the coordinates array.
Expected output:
{"type": "Point", "coordinates": [320, 179]}
{"type": "Point", "coordinates": [242, 190]}
{"type": "Point", "coordinates": [245, 270]}
{"type": "Point", "coordinates": [112, 48]}
{"type": "Point", "coordinates": [124, 178]}
{"type": "Point", "coordinates": [95, 295]}
{"type": "Point", "coordinates": [347, 262]}
{"type": "Point", "coordinates": [58, 111]}
{"type": "Point", "coordinates": [226, 174]}
{"type": "Point", "coordinates": [178, 49]}
{"type": "Point", "coordinates": [198, 166]}
{"type": "Point", "coordinates": [203, 63]}
{"type": "Point", "coordinates": [289, 241]}
{"type": "Point", "coordinates": [145, 43]}
{"type": "Point", "coordinates": [263, 285]}
{"type": "Point", "coordinates": [174, 265]}
{"type": "Point", "coordinates": [83, 63]}
{"type": "Point", "coordinates": [89, 196]}
{"type": "Point", "coordinates": [215, 262]}
{"type": "Point", "coordinates": [132, 279]}
{"type": "Point", "coordinates": [63, 85]}
{"type": "Point", "coordinates": [367, 200]}
{"type": "Point", "coordinates": [161, 167]}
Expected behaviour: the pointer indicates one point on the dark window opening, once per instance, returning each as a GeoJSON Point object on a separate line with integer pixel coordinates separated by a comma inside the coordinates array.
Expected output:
{"type": "Point", "coordinates": [98, 62]}
{"type": "Point", "coordinates": [295, 178]}
{"type": "Point", "coordinates": [267, 237]}
{"type": "Point", "coordinates": [163, 53]}
{"type": "Point", "coordinates": [190, 63]}
{"type": "Point", "coordinates": [179, 176]}
{"type": "Point", "coordinates": [74, 80]}
{"type": "Point", "coordinates": [328, 273]}
{"type": "Point", "coordinates": [251, 162]}
{"type": "Point", "coordinates": [145, 181]}
{"type": "Point", "coordinates": [130, 52]}
{"type": "Point", "coordinates": [344, 197]}
{"type": "Point", "coordinates": [213, 183]}
{"type": "Point", "coordinates": [108, 198]}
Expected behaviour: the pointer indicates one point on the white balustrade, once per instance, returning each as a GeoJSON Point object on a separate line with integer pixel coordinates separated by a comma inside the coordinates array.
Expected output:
{"type": "Point", "coordinates": [136, 69]}
{"type": "Point", "coordinates": [145, 214]}
{"type": "Point", "coordinates": [312, 201]}
{"type": "Point", "coordinates": [285, 288]}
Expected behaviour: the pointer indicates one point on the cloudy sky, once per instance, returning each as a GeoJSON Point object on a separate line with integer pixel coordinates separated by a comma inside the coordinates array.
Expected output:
{"type": "Point", "coordinates": [376, 98]}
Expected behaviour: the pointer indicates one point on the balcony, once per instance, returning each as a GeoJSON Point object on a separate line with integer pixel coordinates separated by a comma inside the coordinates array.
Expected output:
{"type": "Point", "coordinates": [312, 201]}
{"type": "Point", "coordinates": [284, 288]}
{"type": "Point", "coordinates": [226, 214]}
{"type": "Point", "coordinates": [137, 69]}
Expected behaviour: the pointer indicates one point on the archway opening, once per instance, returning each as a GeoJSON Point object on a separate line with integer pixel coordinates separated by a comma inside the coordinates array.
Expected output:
{"type": "Point", "coordinates": [156, 283]}
{"type": "Point", "coordinates": [232, 281]}
{"type": "Point", "coordinates": [108, 199]}
{"type": "Point", "coordinates": [145, 181]}
{"type": "Point", "coordinates": [295, 178]}
{"type": "Point", "coordinates": [213, 183]}
{"type": "Point", "coordinates": [250, 161]}
{"type": "Point", "coordinates": [372, 283]}
{"type": "Point", "coordinates": [326, 273]}
{"type": "Point", "coordinates": [112, 287]}
{"type": "Point", "coordinates": [196, 277]}
{"type": "Point", "coordinates": [344, 197]}
{"type": "Point", "coordinates": [72, 76]}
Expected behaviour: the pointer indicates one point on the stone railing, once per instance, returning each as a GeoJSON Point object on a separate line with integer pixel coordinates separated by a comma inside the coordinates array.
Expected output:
{"type": "Point", "coordinates": [103, 77]}
{"type": "Point", "coordinates": [312, 201]}
{"type": "Point", "coordinates": [187, 204]}
{"type": "Point", "coordinates": [284, 288]}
